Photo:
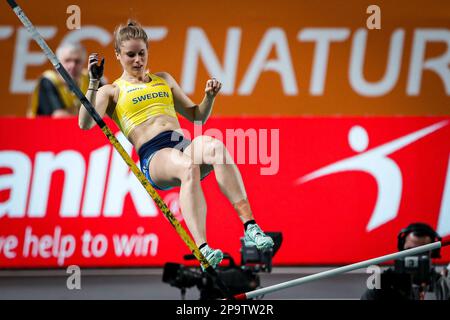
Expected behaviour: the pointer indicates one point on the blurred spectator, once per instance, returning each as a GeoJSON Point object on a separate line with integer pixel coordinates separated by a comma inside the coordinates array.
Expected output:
{"type": "Point", "coordinates": [52, 96]}
{"type": "Point", "coordinates": [413, 277]}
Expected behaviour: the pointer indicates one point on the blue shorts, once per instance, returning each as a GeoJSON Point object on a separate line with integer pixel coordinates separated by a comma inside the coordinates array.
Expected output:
{"type": "Point", "coordinates": [166, 139]}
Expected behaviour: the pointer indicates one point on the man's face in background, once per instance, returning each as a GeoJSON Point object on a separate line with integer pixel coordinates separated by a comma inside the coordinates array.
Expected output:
{"type": "Point", "coordinates": [412, 240]}
{"type": "Point", "coordinates": [73, 61]}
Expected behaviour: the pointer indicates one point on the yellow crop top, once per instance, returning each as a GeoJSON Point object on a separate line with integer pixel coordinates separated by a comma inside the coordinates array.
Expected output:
{"type": "Point", "coordinates": [138, 102]}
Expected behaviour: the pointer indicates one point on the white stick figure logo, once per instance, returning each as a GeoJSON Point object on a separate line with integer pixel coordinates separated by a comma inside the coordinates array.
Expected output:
{"type": "Point", "coordinates": [376, 162]}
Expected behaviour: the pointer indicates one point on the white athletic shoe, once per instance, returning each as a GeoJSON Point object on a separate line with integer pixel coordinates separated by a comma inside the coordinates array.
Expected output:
{"type": "Point", "coordinates": [254, 236]}
{"type": "Point", "coordinates": [214, 256]}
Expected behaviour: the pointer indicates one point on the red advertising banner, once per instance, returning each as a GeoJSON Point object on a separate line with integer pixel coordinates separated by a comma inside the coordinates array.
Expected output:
{"type": "Point", "coordinates": [339, 190]}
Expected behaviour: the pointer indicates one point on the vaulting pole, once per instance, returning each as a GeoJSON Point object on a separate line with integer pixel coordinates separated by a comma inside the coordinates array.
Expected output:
{"type": "Point", "coordinates": [344, 269]}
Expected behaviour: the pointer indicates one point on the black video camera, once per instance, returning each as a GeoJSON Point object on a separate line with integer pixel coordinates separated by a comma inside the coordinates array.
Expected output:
{"type": "Point", "coordinates": [405, 280]}
{"type": "Point", "coordinates": [238, 279]}
{"type": "Point", "coordinates": [418, 267]}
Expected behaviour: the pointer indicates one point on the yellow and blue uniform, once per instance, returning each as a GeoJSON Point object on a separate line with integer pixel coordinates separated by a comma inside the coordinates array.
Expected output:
{"type": "Point", "coordinates": [139, 102]}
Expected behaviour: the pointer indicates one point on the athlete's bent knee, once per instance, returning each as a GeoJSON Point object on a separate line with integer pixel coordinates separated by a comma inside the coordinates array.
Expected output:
{"type": "Point", "coordinates": [217, 152]}
{"type": "Point", "coordinates": [190, 171]}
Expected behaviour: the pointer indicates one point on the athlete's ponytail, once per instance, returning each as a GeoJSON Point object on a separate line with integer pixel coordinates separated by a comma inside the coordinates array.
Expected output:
{"type": "Point", "coordinates": [132, 30]}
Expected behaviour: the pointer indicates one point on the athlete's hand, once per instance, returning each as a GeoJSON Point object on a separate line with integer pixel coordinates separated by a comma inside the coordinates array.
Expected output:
{"type": "Point", "coordinates": [95, 69]}
{"type": "Point", "coordinates": [212, 87]}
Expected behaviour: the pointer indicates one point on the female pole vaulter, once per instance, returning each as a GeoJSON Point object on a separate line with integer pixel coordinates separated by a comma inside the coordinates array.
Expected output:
{"type": "Point", "coordinates": [144, 106]}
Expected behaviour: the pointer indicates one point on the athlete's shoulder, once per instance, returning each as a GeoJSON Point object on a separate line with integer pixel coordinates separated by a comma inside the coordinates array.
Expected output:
{"type": "Point", "coordinates": [162, 74]}
{"type": "Point", "coordinates": [110, 89]}
{"type": "Point", "coordinates": [109, 86]}
{"type": "Point", "coordinates": [166, 76]}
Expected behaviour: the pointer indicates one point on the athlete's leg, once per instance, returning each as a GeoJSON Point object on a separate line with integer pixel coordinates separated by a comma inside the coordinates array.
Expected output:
{"type": "Point", "coordinates": [211, 153]}
{"type": "Point", "coordinates": [170, 167]}
{"type": "Point", "coordinates": [207, 152]}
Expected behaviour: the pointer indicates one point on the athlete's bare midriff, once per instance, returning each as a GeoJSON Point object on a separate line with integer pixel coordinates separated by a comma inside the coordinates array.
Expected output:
{"type": "Point", "coordinates": [151, 128]}
{"type": "Point", "coordinates": [148, 129]}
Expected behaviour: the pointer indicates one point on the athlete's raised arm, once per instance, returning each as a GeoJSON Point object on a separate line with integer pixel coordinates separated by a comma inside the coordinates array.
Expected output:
{"type": "Point", "coordinates": [185, 106]}
{"type": "Point", "coordinates": [100, 98]}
